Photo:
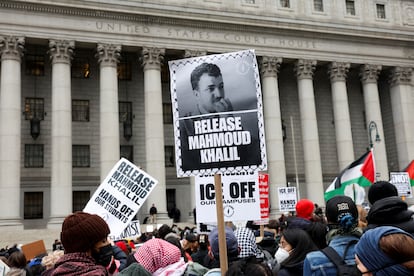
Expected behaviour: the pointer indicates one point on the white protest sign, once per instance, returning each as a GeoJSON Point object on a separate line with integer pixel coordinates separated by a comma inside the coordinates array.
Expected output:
{"type": "Point", "coordinates": [241, 199]}
{"type": "Point", "coordinates": [121, 195]}
{"type": "Point", "coordinates": [401, 181]}
{"type": "Point", "coordinates": [132, 231]}
{"type": "Point", "coordinates": [218, 114]}
{"type": "Point", "coordinates": [287, 198]}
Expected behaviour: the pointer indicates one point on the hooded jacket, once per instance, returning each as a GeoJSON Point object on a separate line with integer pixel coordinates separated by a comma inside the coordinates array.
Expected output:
{"type": "Point", "coordinates": [391, 211]}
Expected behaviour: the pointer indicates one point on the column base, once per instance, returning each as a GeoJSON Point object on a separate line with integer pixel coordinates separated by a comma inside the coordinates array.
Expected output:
{"type": "Point", "coordinates": [11, 223]}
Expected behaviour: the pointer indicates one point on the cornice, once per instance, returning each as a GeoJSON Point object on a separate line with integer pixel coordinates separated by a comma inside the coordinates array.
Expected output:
{"type": "Point", "coordinates": [229, 22]}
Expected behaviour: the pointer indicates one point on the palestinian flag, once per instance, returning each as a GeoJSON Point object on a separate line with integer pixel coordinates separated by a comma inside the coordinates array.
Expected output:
{"type": "Point", "coordinates": [410, 170]}
{"type": "Point", "coordinates": [361, 172]}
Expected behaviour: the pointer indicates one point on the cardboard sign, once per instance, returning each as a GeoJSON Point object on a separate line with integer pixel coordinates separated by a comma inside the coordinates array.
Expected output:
{"type": "Point", "coordinates": [217, 112]}
{"type": "Point", "coordinates": [401, 180]}
{"type": "Point", "coordinates": [287, 198]}
{"type": "Point", "coordinates": [31, 250]}
{"type": "Point", "coordinates": [121, 195]}
{"type": "Point", "coordinates": [241, 199]}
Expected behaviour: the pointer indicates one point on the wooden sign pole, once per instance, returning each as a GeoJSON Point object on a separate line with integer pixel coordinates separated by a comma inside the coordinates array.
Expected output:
{"type": "Point", "coordinates": [220, 224]}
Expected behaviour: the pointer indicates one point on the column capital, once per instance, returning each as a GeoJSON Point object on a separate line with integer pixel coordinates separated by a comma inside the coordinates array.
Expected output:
{"type": "Point", "coordinates": [338, 71]}
{"type": "Point", "coordinates": [305, 68]}
{"type": "Point", "coordinates": [108, 54]}
{"type": "Point", "coordinates": [269, 66]}
{"type": "Point", "coordinates": [369, 73]}
{"type": "Point", "coordinates": [194, 53]}
{"type": "Point", "coordinates": [11, 47]}
{"type": "Point", "coordinates": [152, 57]}
{"type": "Point", "coordinates": [401, 75]}
{"type": "Point", "coordinates": [61, 51]}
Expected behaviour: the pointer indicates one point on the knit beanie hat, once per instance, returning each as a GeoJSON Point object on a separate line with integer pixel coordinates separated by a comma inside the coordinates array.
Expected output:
{"type": "Point", "coordinates": [231, 242]}
{"type": "Point", "coordinates": [80, 231]}
{"type": "Point", "coordinates": [380, 190]}
{"type": "Point", "coordinates": [304, 208]}
{"type": "Point", "coordinates": [343, 211]}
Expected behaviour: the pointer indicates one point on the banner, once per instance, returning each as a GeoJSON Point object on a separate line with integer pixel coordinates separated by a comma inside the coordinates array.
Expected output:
{"type": "Point", "coordinates": [287, 198]}
{"type": "Point", "coordinates": [264, 199]}
{"type": "Point", "coordinates": [241, 199]}
{"type": "Point", "coordinates": [217, 112]}
{"type": "Point", "coordinates": [121, 195]}
{"type": "Point", "coordinates": [401, 181]}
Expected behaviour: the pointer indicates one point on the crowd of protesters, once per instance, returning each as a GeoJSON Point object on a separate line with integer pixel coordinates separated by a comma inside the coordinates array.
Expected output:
{"type": "Point", "coordinates": [375, 242]}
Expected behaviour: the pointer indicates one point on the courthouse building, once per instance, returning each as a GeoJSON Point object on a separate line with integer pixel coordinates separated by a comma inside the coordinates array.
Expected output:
{"type": "Point", "coordinates": [85, 82]}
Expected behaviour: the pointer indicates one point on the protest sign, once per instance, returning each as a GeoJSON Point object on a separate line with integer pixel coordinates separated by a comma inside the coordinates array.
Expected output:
{"type": "Point", "coordinates": [264, 199]}
{"type": "Point", "coordinates": [132, 231]}
{"type": "Point", "coordinates": [287, 198]}
{"type": "Point", "coordinates": [217, 112]}
{"type": "Point", "coordinates": [241, 199]}
{"type": "Point", "coordinates": [31, 250]}
{"type": "Point", "coordinates": [401, 181]}
{"type": "Point", "coordinates": [121, 195]}
{"type": "Point", "coordinates": [4, 269]}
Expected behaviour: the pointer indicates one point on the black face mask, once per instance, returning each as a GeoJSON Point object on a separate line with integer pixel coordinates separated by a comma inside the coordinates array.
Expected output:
{"type": "Point", "coordinates": [104, 256]}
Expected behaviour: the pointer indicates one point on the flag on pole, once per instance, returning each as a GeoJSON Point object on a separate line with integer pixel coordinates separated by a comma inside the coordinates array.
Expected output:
{"type": "Point", "coordinates": [410, 170]}
{"type": "Point", "coordinates": [361, 172]}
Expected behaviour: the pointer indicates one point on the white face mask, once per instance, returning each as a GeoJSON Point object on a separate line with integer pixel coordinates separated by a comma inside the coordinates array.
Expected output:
{"type": "Point", "coordinates": [281, 255]}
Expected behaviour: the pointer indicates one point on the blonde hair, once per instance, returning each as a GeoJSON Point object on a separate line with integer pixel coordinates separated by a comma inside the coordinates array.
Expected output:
{"type": "Point", "coordinates": [51, 258]}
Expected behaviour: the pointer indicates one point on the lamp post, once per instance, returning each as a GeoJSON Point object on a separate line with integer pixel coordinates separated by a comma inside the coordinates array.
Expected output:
{"type": "Point", "coordinates": [373, 126]}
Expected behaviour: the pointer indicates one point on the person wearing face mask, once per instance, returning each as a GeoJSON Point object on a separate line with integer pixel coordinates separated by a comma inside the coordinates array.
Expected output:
{"type": "Point", "coordinates": [87, 248]}
{"type": "Point", "coordinates": [294, 245]}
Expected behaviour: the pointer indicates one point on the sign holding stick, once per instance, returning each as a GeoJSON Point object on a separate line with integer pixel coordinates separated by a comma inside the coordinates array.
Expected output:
{"type": "Point", "coordinates": [220, 223]}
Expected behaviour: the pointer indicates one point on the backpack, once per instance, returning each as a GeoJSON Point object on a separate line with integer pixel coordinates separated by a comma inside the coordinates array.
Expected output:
{"type": "Point", "coordinates": [342, 267]}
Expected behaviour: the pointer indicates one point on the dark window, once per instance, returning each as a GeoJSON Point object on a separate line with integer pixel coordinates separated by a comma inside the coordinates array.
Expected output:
{"type": "Point", "coordinates": [80, 110]}
{"type": "Point", "coordinates": [285, 3]}
{"type": "Point", "coordinates": [80, 199]}
{"type": "Point", "coordinates": [33, 156]}
{"type": "Point", "coordinates": [171, 202]}
{"type": "Point", "coordinates": [124, 71]}
{"type": "Point", "coordinates": [167, 113]}
{"type": "Point", "coordinates": [35, 65]}
{"type": "Point", "coordinates": [34, 108]}
{"type": "Point", "coordinates": [169, 156]}
{"type": "Point", "coordinates": [81, 68]}
{"type": "Point", "coordinates": [318, 5]}
{"type": "Point", "coordinates": [127, 152]}
{"type": "Point", "coordinates": [125, 112]}
{"type": "Point", "coordinates": [33, 205]}
{"type": "Point", "coordinates": [381, 11]}
{"type": "Point", "coordinates": [249, 1]}
{"type": "Point", "coordinates": [350, 7]}
{"type": "Point", "coordinates": [81, 156]}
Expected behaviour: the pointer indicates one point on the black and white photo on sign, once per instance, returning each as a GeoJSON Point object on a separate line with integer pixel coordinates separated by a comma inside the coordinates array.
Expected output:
{"type": "Point", "coordinates": [217, 112]}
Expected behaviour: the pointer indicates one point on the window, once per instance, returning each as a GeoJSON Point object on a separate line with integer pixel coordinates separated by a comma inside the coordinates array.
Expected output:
{"type": "Point", "coordinates": [318, 5]}
{"type": "Point", "coordinates": [285, 3]}
{"type": "Point", "coordinates": [125, 112]}
{"type": "Point", "coordinates": [127, 152]}
{"type": "Point", "coordinates": [80, 199]}
{"type": "Point", "coordinates": [381, 11]}
{"type": "Point", "coordinates": [35, 65]}
{"type": "Point", "coordinates": [350, 7]}
{"type": "Point", "coordinates": [169, 156]}
{"type": "Point", "coordinates": [33, 205]}
{"type": "Point", "coordinates": [124, 71]}
{"type": "Point", "coordinates": [81, 156]}
{"type": "Point", "coordinates": [33, 156]}
{"type": "Point", "coordinates": [34, 108]}
{"type": "Point", "coordinates": [167, 113]}
{"type": "Point", "coordinates": [81, 68]}
{"type": "Point", "coordinates": [80, 110]}
{"type": "Point", "coordinates": [249, 1]}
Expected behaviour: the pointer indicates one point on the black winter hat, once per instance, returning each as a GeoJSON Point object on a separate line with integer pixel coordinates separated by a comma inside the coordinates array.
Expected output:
{"type": "Point", "coordinates": [80, 231]}
{"type": "Point", "coordinates": [340, 206]}
{"type": "Point", "coordinates": [380, 190]}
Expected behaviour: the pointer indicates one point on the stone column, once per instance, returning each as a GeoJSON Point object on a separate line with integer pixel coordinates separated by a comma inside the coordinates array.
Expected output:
{"type": "Point", "coordinates": [61, 54]}
{"type": "Point", "coordinates": [11, 51]}
{"type": "Point", "coordinates": [369, 76]}
{"type": "Point", "coordinates": [152, 59]}
{"type": "Point", "coordinates": [189, 54]}
{"type": "Point", "coordinates": [269, 68]}
{"type": "Point", "coordinates": [402, 101]}
{"type": "Point", "coordinates": [309, 126]}
{"type": "Point", "coordinates": [338, 72]}
{"type": "Point", "coordinates": [108, 58]}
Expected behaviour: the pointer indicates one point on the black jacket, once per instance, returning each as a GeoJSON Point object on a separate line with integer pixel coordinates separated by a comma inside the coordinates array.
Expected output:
{"type": "Point", "coordinates": [391, 211]}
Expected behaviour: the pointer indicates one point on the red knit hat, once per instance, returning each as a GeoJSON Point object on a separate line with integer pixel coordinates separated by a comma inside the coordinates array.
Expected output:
{"type": "Point", "coordinates": [80, 231]}
{"type": "Point", "coordinates": [304, 208]}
